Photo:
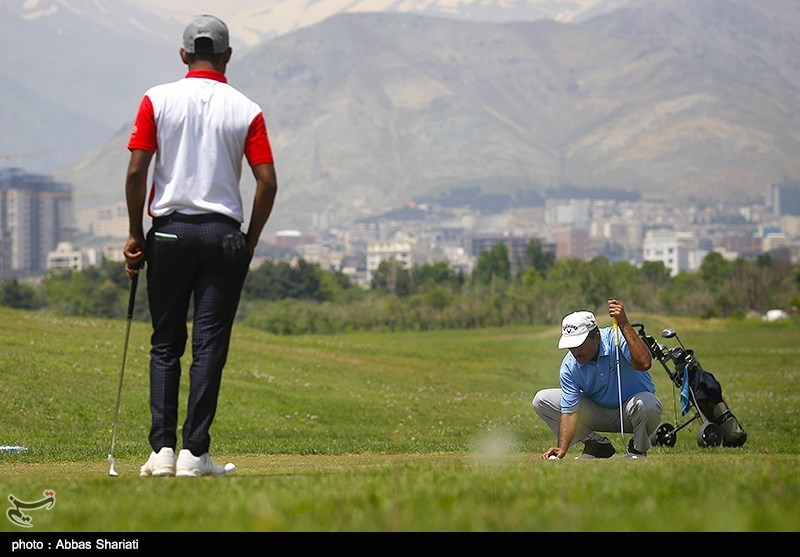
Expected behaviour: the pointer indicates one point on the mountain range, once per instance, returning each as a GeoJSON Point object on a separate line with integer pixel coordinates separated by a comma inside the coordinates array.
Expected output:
{"type": "Point", "coordinates": [683, 100]}
{"type": "Point", "coordinates": [254, 21]}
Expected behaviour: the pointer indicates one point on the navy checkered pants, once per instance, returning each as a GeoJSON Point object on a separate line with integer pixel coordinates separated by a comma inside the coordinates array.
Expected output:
{"type": "Point", "coordinates": [204, 258]}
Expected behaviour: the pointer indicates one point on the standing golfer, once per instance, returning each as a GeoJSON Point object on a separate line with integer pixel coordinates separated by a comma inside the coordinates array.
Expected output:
{"type": "Point", "coordinates": [200, 129]}
{"type": "Point", "coordinates": [589, 398]}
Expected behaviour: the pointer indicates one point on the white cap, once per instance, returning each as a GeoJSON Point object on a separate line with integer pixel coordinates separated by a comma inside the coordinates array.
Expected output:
{"type": "Point", "coordinates": [575, 327]}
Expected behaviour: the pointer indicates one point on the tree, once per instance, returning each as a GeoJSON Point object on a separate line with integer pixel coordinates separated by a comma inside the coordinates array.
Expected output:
{"type": "Point", "coordinates": [392, 277]}
{"type": "Point", "coordinates": [563, 290]}
{"type": "Point", "coordinates": [538, 259]}
{"type": "Point", "coordinates": [715, 271]}
{"type": "Point", "coordinates": [278, 281]}
{"type": "Point", "coordinates": [598, 282]}
{"type": "Point", "coordinates": [437, 274]}
{"type": "Point", "coordinates": [105, 301]}
{"type": "Point", "coordinates": [492, 265]}
{"type": "Point", "coordinates": [332, 285]}
{"type": "Point", "coordinates": [530, 278]}
{"type": "Point", "coordinates": [438, 299]}
{"type": "Point", "coordinates": [260, 283]}
{"type": "Point", "coordinates": [655, 273]}
{"type": "Point", "coordinates": [20, 295]}
{"type": "Point", "coordinates": [685, 295]}
{"type": "Point", "coordinates": [626, 281]}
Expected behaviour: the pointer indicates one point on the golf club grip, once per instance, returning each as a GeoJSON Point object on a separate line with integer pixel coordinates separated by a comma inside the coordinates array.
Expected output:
{"type": "Point", "coordinates": [616, 330]}
{"type": "Point", "coordinates": [132, 299]}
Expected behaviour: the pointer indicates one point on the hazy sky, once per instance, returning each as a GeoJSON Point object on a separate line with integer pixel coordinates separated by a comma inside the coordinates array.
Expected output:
{"type": "Point", "coordinates": [249, 19]}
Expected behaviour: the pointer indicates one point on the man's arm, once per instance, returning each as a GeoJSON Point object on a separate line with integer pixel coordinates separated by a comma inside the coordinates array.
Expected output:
{"type": "Point", "coordinates": [135, 195]}
{"type": "Point", "coordinates": [567, 426]}
{"type": "Point", "coordinates": [263, 201]}
{"type": "Point", "coordinates": [641, 359]}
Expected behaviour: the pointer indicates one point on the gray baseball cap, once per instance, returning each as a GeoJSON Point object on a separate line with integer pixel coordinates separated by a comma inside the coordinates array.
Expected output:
{"type": "Point", "coordinates": [206, 27]}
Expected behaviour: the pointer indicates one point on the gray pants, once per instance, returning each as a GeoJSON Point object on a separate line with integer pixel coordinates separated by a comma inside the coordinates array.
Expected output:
{"type": "Point", "coordinates": [641, 417]}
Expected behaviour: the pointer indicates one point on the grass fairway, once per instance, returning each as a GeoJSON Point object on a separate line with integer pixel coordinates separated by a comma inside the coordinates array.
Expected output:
{"type": "Point", "coordinates": [387, 432]}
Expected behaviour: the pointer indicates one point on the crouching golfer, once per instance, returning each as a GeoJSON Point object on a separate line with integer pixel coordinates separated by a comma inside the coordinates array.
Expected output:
{"type": "Point", "coordinates": [589, 399]}
{"type": "Point", "coordinates": [199, 128]}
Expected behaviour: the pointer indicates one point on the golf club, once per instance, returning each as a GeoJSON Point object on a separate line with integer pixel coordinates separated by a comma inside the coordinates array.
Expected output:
{"type": "Point", "coordinates": [131, 302]}
{"type": "Point", "coordinates": [619, 382]}
{"type": "Point", "coordinates": [670, 333]}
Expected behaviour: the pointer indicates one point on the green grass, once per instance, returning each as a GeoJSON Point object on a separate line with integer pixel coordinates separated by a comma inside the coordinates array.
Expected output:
{"type": "Point", "coordinates": [378, 432]}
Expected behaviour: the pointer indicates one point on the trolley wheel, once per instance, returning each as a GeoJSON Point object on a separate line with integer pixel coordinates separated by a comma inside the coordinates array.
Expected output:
{"type": "Point", "coordinates": [709, 435]}
{"type": "Point", "coordinates": [664, 435]}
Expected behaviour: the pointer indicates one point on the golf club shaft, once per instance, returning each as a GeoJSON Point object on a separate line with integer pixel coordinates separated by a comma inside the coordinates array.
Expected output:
{"type": "Point", "coordinates": [131, 303]}
{"type": "Point", "coordinates": [619, 382]}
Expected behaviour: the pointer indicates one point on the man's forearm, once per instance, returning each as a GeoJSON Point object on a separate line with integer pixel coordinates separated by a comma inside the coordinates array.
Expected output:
{"type": "Point", "coordinates": [263, 201]}
{"type": "Point", "coordinates": [641, 359]}
{"type": "Point", "coordinates": [136, 191]}
{"type": "Point", "coordinates": [567, 427]}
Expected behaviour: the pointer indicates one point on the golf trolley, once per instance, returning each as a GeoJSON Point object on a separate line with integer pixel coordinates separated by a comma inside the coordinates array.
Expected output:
{"type": "Point", "coordinates": [701, 395]}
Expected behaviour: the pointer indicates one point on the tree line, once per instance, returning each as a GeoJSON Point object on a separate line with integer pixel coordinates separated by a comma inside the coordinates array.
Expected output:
{"type": "Point", "coordinates": [301, 297]}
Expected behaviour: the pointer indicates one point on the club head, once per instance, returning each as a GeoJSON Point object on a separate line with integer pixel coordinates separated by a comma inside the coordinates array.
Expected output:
{"type": "Point", "coordinates": [111, 471]}
{"type": "Point", "coordinates": [668, 333]}
{"type": "Point", "coordinates": [678, 354]}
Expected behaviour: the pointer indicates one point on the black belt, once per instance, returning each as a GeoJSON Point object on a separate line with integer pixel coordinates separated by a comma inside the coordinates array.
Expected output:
{"type": "Point", "coordinates": [197, 219]}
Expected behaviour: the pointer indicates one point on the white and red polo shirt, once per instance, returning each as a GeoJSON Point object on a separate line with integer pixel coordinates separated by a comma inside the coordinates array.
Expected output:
{"type": "Point", "coordinates": [200, 129]}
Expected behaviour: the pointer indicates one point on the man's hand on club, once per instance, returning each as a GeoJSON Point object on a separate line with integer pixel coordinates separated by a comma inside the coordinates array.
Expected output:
{"type": "Point", "coordinates": [617, 311]}
{"type": "Point", "coordinates": [134, 255]}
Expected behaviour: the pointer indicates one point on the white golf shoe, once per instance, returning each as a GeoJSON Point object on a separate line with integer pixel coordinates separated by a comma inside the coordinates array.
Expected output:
{"type": "Point", "coordinates": [161, 463]}
{"type": "Point", "coordinates": [195, 466]}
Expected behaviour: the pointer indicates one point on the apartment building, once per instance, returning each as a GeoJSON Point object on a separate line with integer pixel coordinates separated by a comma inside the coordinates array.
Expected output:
{"type": "Point", "coordinates": [35, 215]}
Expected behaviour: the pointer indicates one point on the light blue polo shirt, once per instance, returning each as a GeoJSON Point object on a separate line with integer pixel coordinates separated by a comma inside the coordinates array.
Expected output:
{"type": "Point", "coordinates": [597, 380]}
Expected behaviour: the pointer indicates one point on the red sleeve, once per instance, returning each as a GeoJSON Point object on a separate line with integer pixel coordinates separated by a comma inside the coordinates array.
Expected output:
{"type": "Point", "coordinates": [143, 135]}
{"type": "Point", "coordinates": [256, 147]}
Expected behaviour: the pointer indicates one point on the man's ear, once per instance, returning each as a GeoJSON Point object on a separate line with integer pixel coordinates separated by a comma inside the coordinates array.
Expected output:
{"type": "Point", "coordinates": [185, 60]}
{"type": "Point", "coordinates": [228, 53]}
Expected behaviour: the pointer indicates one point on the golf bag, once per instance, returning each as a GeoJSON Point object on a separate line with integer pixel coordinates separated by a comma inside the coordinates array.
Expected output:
{"type": "Point", "coordinates": [700, 394]}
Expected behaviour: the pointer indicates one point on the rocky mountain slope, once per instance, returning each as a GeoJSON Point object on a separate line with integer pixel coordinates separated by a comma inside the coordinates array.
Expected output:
{"type": "Point", "coordinates": [679, 99]}
{"type": "Point", "coordinates": [369, 111]}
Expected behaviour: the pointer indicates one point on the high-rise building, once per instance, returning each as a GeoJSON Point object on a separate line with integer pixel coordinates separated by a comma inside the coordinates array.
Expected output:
{"type": "Point", "coordinates": [35, 215]}
{"type": "Point", "coordinates": [785, 199]}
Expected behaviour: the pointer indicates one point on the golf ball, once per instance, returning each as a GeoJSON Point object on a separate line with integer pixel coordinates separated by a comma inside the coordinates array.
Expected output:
{"type": "Point", "coordinates": [230, 467]}
{"type": "Point", "coordinates": [552, 457]}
